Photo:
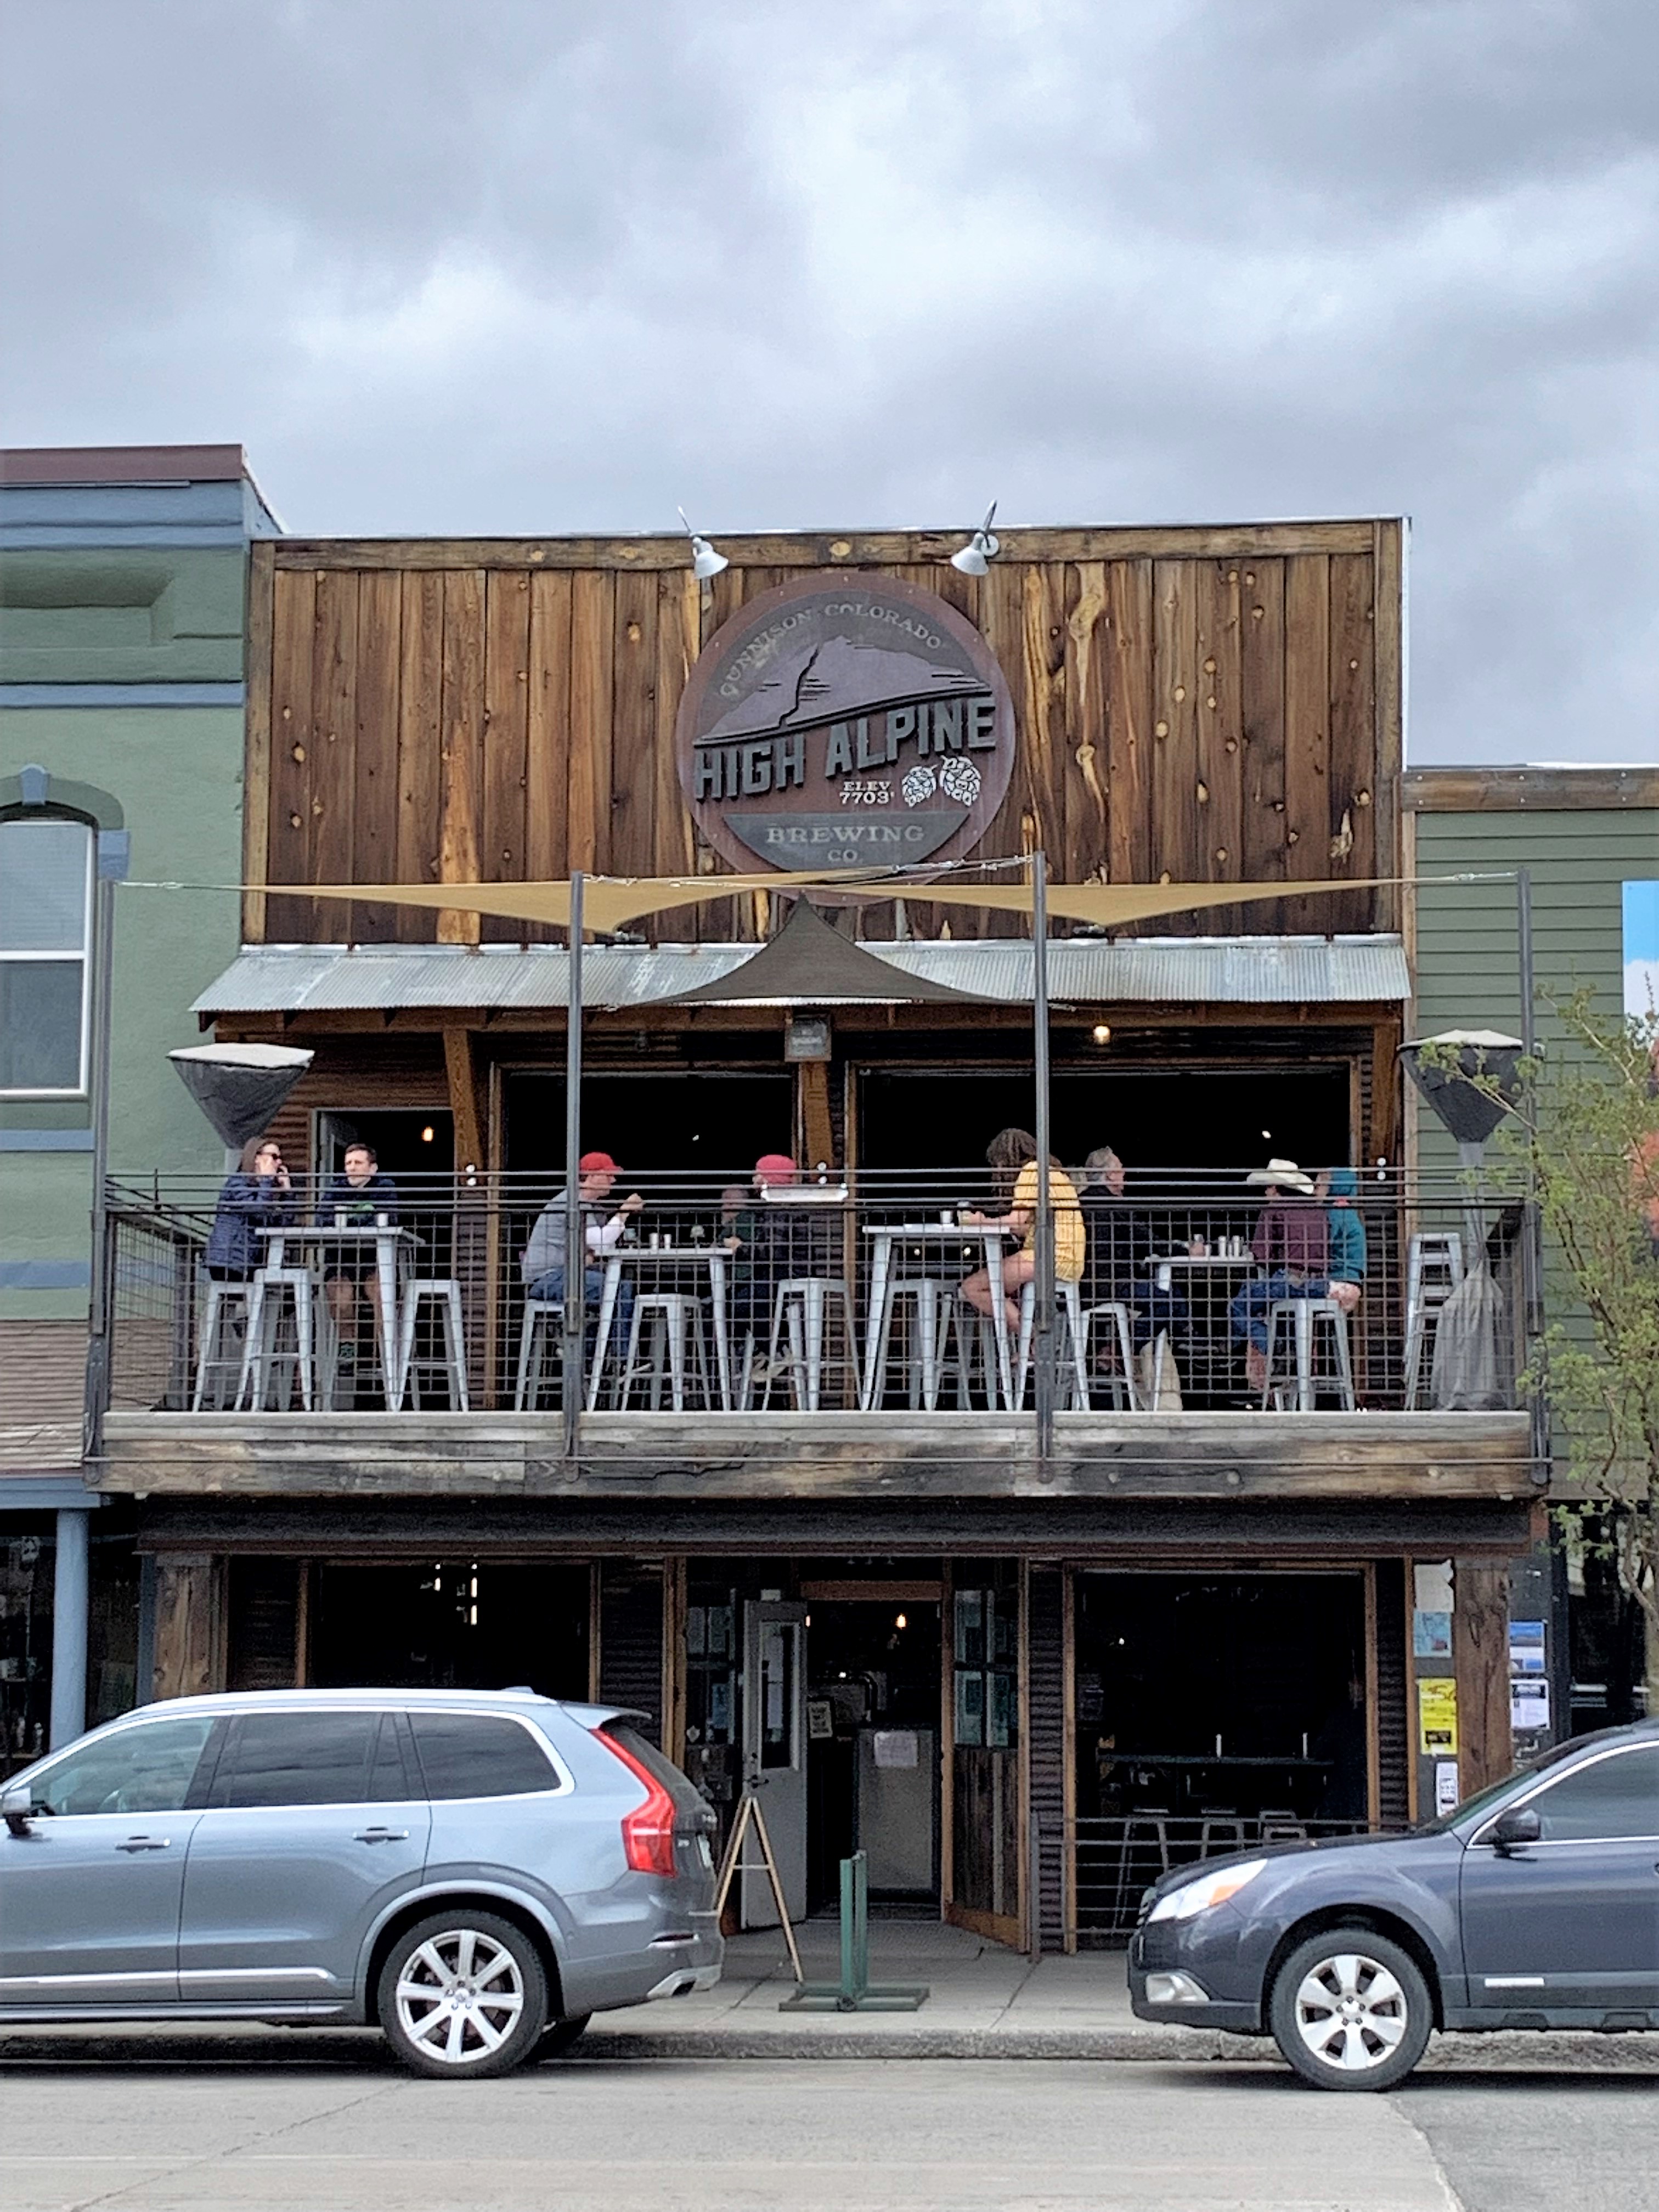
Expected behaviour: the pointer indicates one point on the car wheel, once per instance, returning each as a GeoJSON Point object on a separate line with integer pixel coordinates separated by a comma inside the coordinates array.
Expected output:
{"type": "Point", "coordinates": [561, 2037]}
{"type": "Point", "coordinates": [463, 1993]}
{"type": "Point", "coordinates": [1351, 2010]}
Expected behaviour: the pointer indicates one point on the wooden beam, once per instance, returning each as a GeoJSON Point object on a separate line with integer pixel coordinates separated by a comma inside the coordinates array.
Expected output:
{"type": "Point", "coordinates": [467, 1100]}
{"type": "Point", "coordinates": [1530, 790]}
{"type": "Point", "coordinates": [256, 769]}
{"type": "Point", "coordinates": [819, 550]}
{"type": "Point", "coordinates": [189, 1658]}
{"type": "Point", "coordinates": [1480, 1662]}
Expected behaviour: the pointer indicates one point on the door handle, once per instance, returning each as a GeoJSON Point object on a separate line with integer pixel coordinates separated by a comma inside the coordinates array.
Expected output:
{"type": "Point", "coordinates": [145, 1843]}
{"type": "Point", "coordinates": [382, 1836]}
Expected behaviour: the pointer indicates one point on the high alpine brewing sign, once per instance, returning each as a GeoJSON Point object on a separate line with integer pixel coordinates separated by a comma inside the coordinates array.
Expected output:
{"type": "Point", "coordinates": [852, 725]}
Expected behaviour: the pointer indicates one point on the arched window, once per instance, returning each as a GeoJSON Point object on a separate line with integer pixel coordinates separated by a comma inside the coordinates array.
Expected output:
{"type": "Point", "coordinates": [46, 870]}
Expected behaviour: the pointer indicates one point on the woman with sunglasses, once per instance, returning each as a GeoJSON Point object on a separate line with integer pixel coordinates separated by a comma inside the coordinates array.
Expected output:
{"type": "Point", "coordinates": [259, 1196]}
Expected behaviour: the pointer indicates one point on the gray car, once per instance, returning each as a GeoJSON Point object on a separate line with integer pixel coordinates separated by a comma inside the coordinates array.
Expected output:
{"type": "Point", "coordinates": [475, 1873]}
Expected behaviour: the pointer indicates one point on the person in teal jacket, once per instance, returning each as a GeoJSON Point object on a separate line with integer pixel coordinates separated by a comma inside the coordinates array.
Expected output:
{"type": "Point", "coordinates": [1344, 1231]}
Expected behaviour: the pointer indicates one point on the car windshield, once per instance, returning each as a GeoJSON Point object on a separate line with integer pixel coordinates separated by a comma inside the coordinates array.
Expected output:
{"type": "Point", "coordinates": [1495, 1792]}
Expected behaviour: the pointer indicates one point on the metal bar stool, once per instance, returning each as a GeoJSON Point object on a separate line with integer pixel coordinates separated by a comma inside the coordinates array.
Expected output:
{"type": "Point", "coordinates": [270, 1288]}
{"type": "Point", "coordinates": [1114, 1318]}
{"type": "Point", "coordinates": [543, 1318]}
{"type": "Point", "coordinates": [1068, 1304]}
{"type": "Point", "coordinates": [1434, 1268]}
{"type": "Point", "coordinates": [222, 1298]}
{"type": "Point", "coordinates": [799, 1308]}
{"type": "Point", "coordinates": [976, 1336]}
{"type": "Point", "coordinates": [675, 1317]}
{"type": "Point", "coordinates": [1219, 1821]}
{"type": "Point", "coordinates": [1299, 1316]}
{"type": "Point", "coordinates": [1143, 1832]}
{"type": "Point", "coordinates": [444, 1294]}
{"type": "Point", "coordinates": [922, 1364]}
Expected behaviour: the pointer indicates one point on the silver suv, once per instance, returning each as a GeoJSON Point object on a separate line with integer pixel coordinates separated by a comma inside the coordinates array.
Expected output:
{"type": "Point", "coordinates": [477, 1873]}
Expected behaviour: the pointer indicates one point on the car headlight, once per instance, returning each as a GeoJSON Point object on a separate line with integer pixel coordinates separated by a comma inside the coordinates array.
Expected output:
{"type": "Point", "coordinates": [1193, 1897]}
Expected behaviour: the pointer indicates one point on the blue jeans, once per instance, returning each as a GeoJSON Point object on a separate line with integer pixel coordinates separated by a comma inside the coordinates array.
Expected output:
{"type": "Point", "coordinates": [550, 1287]}
{"type": "Point", "coordinates": [1249, 1309]}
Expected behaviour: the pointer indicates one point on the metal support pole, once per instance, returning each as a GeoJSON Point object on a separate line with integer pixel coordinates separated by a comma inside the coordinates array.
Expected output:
{"type": "Point", "coordinates": [1532, 1250]}
{"type": "Point", "coordinates": [1042, 1335]}
{"type": "Point", "coordinates": [98, 1320]}
{"type": "Point", "coordinates": [575, 1255]}
{"type": "Point", "coordinates": [68, 1627]}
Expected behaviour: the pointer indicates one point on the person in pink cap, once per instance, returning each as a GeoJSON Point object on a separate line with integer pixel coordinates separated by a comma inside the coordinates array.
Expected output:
{"type": "Point", "coordinates": [542, 1262]}
{"type": "Point", "coordinates": [759, 1244]}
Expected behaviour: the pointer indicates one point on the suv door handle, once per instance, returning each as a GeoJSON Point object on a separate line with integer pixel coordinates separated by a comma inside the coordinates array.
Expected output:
{"type": "Point", "coordinates": [145, 1843]}
{"type": "Point", "coordinates": [382, 1836]}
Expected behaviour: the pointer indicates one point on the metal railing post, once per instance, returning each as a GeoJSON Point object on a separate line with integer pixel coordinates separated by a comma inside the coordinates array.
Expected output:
{"type": "Point", "coordinates": [575, 1255]}
{"type": "Point", "coordinates": [1042, 1331]}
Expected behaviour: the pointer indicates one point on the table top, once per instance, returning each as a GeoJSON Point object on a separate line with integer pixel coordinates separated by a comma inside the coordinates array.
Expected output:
{"type": "Point", "coordinates": [336, 1235]}
{"type": "Point", "coordinates": [942, 1232]}
{"type": "Point", "coordinates": [1208, 1260]}
{"type": "Point", "coordinates": [714, 1251]}
{"type": "Point", "coordinates": [1207, 1758]}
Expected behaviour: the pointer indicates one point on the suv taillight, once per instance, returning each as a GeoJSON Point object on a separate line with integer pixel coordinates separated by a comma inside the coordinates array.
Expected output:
{"type": "Point", "coordinates": [647, 1832]}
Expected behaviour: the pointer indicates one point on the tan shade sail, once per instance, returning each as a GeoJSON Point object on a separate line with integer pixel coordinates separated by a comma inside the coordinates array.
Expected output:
{"type": "Point", "coordinates": [610, 902]}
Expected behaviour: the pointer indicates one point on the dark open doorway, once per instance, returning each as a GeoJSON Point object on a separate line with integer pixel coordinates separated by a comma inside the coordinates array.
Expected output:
{"type": "Point", "coordinates": [410, 1144]}
{"type": "Point", "coordinates": [1153, 1118]}
{"type": "Point", "coordinates": [455, 1624]}
{"type": "Point", "coordinates": [873, 1747]}
{"type": "Point", "coordinates": [656, 1125]}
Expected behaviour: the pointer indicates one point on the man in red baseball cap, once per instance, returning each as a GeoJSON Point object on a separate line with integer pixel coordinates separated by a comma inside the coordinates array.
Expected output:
{"type": "Point", "coordinates": [543, 1261]}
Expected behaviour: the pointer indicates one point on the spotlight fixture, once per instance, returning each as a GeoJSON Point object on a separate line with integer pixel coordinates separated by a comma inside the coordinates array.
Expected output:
{"type": "Point", "coordinates": [705, 561]}
{"type": "Point", "coordinates": [981, 549]}
{"type": "Point", "coordinates": [1102, 1033]}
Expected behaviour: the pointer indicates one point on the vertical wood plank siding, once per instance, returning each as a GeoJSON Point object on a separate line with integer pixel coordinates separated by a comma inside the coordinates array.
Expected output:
{"type": "Point", "coordinates": [1217, 706]}
{"type": "Point", "coordinates": [1046, 1660]}
{"type": "Point", "coordinates": [1393, 1720]}
{"type": "Point", "coordinates": [630, 1640]}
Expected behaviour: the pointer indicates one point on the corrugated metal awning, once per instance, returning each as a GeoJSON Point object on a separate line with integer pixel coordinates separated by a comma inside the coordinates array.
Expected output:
{"type": "Point", "coordinates": [1234, 971]}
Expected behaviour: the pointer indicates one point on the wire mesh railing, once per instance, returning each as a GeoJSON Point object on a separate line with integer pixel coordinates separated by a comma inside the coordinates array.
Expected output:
{"type": "Point", "coordinates": [1115, 1859]}
{"type": "Point", "coordinates": [761, 1291]}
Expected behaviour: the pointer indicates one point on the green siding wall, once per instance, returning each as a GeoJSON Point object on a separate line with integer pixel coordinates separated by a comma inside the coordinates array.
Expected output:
{"type": "Point", "coordinates": [1468, 946]}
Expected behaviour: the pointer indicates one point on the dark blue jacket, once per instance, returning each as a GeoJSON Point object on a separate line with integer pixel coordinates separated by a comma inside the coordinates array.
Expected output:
{"type": "Point", "coordinates": [247, 1203]}
{"type": "Point", "coordinates": [359, 1202]}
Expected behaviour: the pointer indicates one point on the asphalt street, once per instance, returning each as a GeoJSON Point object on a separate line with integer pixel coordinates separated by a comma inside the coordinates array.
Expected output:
{"type": "Point", "coordinates": [917, 2136]}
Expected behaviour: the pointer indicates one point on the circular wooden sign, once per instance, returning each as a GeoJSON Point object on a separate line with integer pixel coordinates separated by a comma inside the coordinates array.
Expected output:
{"type": "Point", "coordinates": [851, 725]}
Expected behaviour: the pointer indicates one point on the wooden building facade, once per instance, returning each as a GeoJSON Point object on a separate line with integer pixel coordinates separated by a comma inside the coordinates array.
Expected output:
{"type": "Point", "coordinates": [1189, 706]}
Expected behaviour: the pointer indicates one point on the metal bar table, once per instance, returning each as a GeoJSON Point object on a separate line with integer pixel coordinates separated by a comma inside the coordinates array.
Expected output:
{"type": "Point", "coordinates": [883, 1237]}
{"type": "Point", "coordinates": [391, 1244]}
{"type": "Point", "coordinates": [713, 1256]}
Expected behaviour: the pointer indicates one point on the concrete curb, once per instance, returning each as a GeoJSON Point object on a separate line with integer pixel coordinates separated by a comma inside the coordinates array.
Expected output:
{"type": "Point", "coordinates": [162, 2046]}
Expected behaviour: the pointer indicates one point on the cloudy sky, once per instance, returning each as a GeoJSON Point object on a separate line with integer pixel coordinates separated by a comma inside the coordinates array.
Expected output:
{"type": "Point", "coordinates": [526, 265]}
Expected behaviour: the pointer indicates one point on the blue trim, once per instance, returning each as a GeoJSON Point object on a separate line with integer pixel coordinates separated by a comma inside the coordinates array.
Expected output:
{"type": "Point", "coordinates": [45, 1275]}
{"type": "Point", "coordinates": [45, 1141]}
{"type": "Point", "coordinates": [122, 694]}
{"type": "Point", "coordinates": [47, 1493]}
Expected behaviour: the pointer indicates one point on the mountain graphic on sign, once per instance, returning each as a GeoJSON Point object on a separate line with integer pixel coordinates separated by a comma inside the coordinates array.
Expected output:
{"type": "Point", "coordinates": [830, 681]}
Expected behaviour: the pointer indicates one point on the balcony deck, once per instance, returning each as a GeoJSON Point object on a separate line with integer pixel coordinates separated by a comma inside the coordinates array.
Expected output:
{"type": "Point", "coordinates": [778, 1456]}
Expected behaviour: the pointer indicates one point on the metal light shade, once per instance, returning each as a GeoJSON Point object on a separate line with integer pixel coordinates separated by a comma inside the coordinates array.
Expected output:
{"type": "Point", "coordinates": [240, 1086]}
{"type": "Point", "coordinates": [981, 549]}
{"type": "Point", "coordinates": [705, 561]}
{"type": "Point", "coordinates": [1470, 1110]}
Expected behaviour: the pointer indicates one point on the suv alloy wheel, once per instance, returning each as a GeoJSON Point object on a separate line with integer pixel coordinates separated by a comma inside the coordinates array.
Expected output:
{"type": "Point", "coordinates": [1351, 2010]}
{"type": "Point", "coordinates": [463, 1993]}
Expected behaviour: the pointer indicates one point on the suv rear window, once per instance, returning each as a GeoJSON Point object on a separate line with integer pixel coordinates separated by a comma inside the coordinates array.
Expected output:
{"type": "Point", "coordinates": [479, 1755]}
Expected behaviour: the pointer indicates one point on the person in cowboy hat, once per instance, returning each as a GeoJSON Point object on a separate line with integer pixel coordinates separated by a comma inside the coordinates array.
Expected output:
{"type": "Point", "coordinates": [1291, 1244]}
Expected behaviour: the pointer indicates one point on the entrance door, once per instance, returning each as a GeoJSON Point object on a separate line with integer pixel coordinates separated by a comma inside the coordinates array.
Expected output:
{"type": "Point", "coordinates": [775, 1755]}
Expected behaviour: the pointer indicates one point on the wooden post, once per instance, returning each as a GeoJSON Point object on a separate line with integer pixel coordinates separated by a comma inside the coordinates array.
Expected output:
{"type": "Point", "coordinates": [190, 1624]}
{"type": "Point", "coordinates": [1480, 1662]}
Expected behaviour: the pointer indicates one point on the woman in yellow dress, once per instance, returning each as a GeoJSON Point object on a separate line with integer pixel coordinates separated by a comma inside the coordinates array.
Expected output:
{"type": "Point", "coordinates": [1013, 1154]}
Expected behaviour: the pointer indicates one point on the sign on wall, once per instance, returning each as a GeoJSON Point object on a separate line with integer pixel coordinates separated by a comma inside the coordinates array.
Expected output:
{"type": "Point", "coordinates": [847, 724]}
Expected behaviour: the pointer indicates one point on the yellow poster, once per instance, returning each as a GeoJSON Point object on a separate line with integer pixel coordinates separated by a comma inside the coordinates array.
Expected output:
{"type": "Point", "coordinates": [1436, 1716]}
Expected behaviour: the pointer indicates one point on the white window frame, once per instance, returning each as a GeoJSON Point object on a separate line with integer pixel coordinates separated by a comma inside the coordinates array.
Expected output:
{"type": "Point", "coordinates": [83, 953]}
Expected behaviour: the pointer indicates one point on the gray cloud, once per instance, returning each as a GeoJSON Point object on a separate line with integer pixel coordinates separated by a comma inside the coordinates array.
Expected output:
{"type": "Point", "coordinates": [524, 266]}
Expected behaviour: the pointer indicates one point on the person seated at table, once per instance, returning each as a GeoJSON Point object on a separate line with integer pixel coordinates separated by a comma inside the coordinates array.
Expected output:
{"type": "Point", "coordinates": [770, 1244]}
{"type": "Point", "coordinates": [360, 1193]}
{"type": "Point", "coordinates": [1345, 1232]}
{"type": "Point", "coordinates": [1291, 1244]}
{"type": "Point", "coordinates": [260, 1195]}
{"type": "Point", "coordinates": [542, 1263]}
{"type": "Point", "coordinates": [1013, 1154]}
{"type": "Point", "coordinates": [1121, 1241]}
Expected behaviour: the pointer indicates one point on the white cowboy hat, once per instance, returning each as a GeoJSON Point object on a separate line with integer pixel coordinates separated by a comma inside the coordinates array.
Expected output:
{"type": "Point", "coordinates": [1283, 1175]}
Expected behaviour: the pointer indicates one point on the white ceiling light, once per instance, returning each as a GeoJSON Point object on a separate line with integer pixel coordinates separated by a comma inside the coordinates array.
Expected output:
{"type": "Point", "coordinates": [705, 561]}
{"type": "Point", "coordinates": [981, 549]}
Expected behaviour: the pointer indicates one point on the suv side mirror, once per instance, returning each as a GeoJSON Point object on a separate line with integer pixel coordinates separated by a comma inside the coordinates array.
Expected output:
{"type": "Point", "coordinates": [16, 1804]}
{"type": "Point", "coordinates": [1519, 1825]}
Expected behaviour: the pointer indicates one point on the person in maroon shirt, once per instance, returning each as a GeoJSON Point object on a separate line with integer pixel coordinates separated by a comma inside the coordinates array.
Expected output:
{"type": "Point", "coordinates": [1291, 1244]}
